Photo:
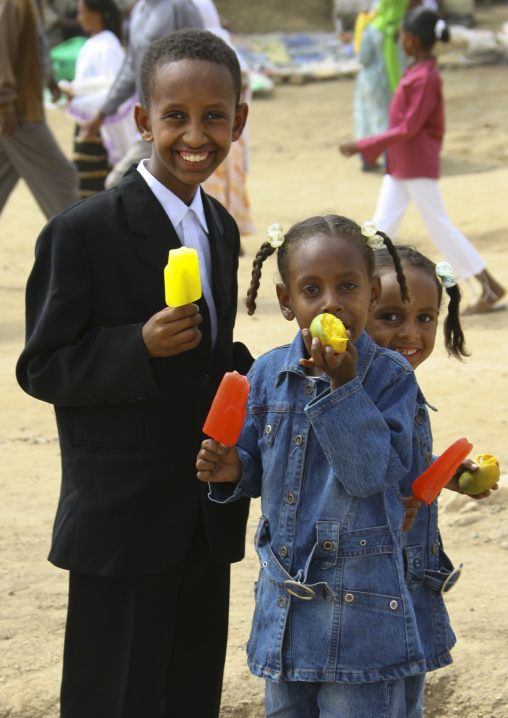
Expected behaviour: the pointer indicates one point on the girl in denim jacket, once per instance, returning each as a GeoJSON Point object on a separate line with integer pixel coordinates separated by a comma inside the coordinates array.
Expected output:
{"type": "Point", "coordinates": [410, 330]}
{"type": "Point", "coordinates": [326, 441]}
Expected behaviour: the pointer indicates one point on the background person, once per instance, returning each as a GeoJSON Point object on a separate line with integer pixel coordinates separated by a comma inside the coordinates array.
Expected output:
{"type": "Point", "coordinates": [413, 145]}
{"type": "Point", "coordinates": [28, 149]}
{"type": "Point", "coordinates": [97, 65]}
{"type": "Point", "coordinates": [229, 181]}
{"type": "Point", "coordinates": [382, 62]}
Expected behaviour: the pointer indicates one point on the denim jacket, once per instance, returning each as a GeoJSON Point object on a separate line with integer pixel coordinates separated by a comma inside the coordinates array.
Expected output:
{"type": "Point", "coordinates": [429, 571]}
{"type": "Point", "coordinates": [332, 604]}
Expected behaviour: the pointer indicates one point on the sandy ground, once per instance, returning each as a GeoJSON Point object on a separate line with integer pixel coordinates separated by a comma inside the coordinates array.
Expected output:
{"type": "Point", "coordinates": [296, 171]}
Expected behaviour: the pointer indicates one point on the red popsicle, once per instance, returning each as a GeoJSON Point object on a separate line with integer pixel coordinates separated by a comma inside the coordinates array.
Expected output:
{"type": "Point", "coordinates": [227, 413]}
{"type": "Point", "coordinates": [428, 485]}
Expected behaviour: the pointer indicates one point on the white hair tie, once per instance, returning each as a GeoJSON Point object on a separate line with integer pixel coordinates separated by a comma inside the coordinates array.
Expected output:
{"type": "Point", "coordinates": [275, 235]}
{"type": "Point", "coordinates": [445, 274]}
{"type": "Point", "coordinates": [439, 29]}
{"type": "Point", "coordinates": [373, 239]}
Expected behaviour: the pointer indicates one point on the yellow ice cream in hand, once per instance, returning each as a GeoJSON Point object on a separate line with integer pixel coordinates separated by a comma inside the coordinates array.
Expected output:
{"type": "Point", "coordinates": [181, 277]}
{"type": "Point", "coordinates": [330, 331]}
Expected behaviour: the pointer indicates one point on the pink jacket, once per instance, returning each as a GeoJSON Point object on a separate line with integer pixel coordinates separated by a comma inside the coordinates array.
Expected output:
{"type": "Point", "coordinates": [416, 126]}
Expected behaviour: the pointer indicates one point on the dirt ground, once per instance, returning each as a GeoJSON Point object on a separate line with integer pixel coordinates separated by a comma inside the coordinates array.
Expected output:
{"type": "Point", "coordinates": [296, 171]}
{"type": "Point", "coordinates": [276, 15]}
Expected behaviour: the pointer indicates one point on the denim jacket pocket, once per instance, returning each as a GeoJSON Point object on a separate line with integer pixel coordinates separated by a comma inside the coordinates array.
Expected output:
{"type": "Point", "coordinates": [271, 425]}
{"type": "Point", "coordinates": [414, 565]}
{"type": "Point", "coordinates": [327, 543]}
{"type": "Point", "coordinates": [366, 542]}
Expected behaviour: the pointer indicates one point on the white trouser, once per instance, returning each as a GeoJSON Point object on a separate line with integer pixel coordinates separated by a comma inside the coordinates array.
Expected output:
{"type": "Point", "coordinates": [394, 198]}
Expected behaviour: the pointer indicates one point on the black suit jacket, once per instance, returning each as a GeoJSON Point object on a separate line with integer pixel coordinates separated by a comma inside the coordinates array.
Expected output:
{"type": "Point", "coordinates": [129, 426]}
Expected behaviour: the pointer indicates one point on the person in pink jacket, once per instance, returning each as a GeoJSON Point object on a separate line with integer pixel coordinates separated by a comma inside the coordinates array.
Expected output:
{"type": "Point", "coordinates": [413, 144]}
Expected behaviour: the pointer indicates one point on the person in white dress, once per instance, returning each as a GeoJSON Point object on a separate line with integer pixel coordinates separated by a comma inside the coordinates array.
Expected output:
{"type": "Point", "coordinates": [97, 66]}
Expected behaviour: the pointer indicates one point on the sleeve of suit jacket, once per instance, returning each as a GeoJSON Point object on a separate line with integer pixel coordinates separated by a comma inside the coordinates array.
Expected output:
{"type": "Point", "coordinates": [68, 360]}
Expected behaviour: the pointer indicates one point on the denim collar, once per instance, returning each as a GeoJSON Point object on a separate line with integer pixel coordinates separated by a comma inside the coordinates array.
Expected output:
{"type": "Point", "coordinates": [296, 350]}
{"type": "Point", "coordinates": [422, 400]}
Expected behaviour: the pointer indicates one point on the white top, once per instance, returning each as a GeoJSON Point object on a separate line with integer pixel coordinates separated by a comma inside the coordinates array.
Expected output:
{"type": "Point", "coordinates": [192, 230]}
{"type": "Point", "coordinates": [208, 12]}
{"type": "Point", "coordinates": [97, 66]}
{"type": "Point", "coordinates": [102, 55]}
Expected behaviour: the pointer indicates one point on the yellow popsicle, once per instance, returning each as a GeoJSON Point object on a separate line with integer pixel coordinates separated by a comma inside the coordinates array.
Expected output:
{"type": "Point", "coordinates": [181, 277]}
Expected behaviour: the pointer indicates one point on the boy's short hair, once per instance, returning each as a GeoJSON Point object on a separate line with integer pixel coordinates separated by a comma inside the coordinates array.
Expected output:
{"type": "Point", "coordinates": [188, 44]}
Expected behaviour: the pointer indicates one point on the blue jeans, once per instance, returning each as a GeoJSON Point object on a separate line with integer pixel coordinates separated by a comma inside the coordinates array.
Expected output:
{"type": "Point", "coordinates": [400, 698]}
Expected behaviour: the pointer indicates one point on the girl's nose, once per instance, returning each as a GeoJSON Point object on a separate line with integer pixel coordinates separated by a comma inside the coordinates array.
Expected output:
{"type": "Point", "coordinates": [409, 330]}
{"type": "Point", "coordinates": [332, 303]}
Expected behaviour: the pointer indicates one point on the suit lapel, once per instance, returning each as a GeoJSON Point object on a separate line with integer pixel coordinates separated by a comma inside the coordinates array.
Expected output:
{"type": "Point", "coordinates": [146, 217]}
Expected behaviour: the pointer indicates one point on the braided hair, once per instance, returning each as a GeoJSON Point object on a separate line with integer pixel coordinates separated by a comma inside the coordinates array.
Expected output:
{"type": "Point", "coordinates": [455, 343]}
{"type": "Point", "coordinates": [333, 226]}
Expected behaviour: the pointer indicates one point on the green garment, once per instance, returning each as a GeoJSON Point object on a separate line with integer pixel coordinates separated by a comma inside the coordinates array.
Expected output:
{"type": "Point", "coordinates": [389, 17]}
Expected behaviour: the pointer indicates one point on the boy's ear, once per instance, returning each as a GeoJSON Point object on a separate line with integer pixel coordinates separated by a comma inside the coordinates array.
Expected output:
{"type": "Point", "coordinates": [142, 118]}
{"type": "Point", "coordinates": [375, 293]}
{"type": "Point", "coordinates": [239, 122]}
{"type": "Point", "coordinates": [284, 302]}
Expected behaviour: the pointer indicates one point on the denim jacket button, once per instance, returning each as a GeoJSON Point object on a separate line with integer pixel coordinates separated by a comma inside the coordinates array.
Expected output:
{"type": "Point", "coordinates": [428, 458]}
{"type": "Point", "coordinates": [284, 551]}
{"type": "Point", "coordinates": [435, 548]}
{"type": "Point", "coordinates": [282, 602]}
{"type": "Point", "coordinates": [419, 419]}
{"type": "Point", "coordinates": [327, 545]}
{"type": "Point", "coordinates": [290, 498]}
{"type": "Point", "coordinates": [349, 598]}
{"type": "Point", "coordinates": [268, 429]}
{"type": "Point", "coordinates": [417, 563]}
{"type": "Point", "coordinates": [393, 605]}
{"type": "Point", "coordinates": [299, 440]}
{"type": "Point", "coordinates": [309, 389]}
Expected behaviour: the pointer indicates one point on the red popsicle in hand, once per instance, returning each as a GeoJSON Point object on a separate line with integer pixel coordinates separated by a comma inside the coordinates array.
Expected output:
{"type": "Point", "coordinates": [227, 413]}
{"type": "Point", "coordinates": [428, 485]}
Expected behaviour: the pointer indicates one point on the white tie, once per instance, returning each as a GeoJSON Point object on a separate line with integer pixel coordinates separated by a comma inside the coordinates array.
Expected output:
{"type": "Point", "coordinates": [194, 236]}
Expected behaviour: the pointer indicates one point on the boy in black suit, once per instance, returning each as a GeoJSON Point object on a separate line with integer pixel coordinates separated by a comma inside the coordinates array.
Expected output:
{"type": "Point", "coordinates": [132, 382]}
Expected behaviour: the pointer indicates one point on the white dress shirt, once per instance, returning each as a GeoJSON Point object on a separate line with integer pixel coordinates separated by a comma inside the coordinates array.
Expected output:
{"type": "Point", "coordinates": [192, 230]}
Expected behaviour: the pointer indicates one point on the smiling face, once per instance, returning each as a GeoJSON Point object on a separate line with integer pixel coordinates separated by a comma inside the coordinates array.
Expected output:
{"type": "Point", "coordinates": [328, 274]}
{"type": "Point", "coordinates": [191, 122]}
{"type": "Point", "coordinates": [409, 329]}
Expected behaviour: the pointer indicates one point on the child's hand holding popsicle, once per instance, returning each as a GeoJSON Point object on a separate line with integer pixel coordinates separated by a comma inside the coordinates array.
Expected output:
{"type": "Point", "coordinates": [216, 461]}
{"type": "Point", "coordinates": [175, 330]}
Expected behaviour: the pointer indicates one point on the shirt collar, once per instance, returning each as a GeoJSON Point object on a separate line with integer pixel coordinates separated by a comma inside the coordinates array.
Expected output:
{"type": "Point", "coordinates": [173, 205]}
{"type": "Point", "coordinates": [421, 67]}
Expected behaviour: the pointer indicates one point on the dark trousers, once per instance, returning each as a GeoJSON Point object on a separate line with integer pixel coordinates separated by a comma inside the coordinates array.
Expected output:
{"type": "Point", "coordinates": [149, 646]}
